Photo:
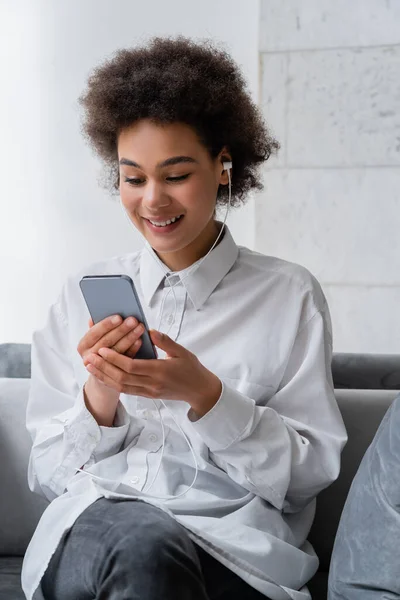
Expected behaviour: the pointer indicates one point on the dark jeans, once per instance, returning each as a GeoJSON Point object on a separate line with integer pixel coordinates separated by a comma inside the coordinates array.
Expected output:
{"type": "Point", "coordinates": [130, 550]}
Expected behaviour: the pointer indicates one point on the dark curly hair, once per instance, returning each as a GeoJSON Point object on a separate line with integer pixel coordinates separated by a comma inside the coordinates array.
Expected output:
{"type": "Point", "coordinates": [179, 80]}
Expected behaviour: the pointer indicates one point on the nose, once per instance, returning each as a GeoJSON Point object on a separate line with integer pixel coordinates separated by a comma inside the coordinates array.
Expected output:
{"type": "Point", "coordinates": [154, 196]}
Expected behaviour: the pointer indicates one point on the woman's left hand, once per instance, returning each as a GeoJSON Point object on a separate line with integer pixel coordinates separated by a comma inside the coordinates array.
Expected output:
{"type": "Point", "coordinates": [181, 376]}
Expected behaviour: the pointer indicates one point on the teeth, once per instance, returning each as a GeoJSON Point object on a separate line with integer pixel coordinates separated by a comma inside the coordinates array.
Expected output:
{"type": "Point", "coordinates": [164, 223]}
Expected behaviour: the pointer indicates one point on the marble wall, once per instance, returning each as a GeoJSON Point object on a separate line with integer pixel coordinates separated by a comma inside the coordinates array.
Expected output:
{"type": "Point", "coordinates": [330, 91]}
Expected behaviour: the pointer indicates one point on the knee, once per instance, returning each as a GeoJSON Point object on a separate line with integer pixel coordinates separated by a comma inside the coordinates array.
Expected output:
{"type": "Point", "coordinates": [154, 538]}
{"type": "Point", "coordinates": [151, 552]}
{"type": "Point", "coordinates": [163, 542]}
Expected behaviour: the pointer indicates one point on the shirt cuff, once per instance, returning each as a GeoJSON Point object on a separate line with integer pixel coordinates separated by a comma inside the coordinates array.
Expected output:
{"type": "Point", "coordinates": [82, 427]}
{"type": "Point", "coordinates": [228, 422]}
{"type": "Point", "coordinates": [112, 438]}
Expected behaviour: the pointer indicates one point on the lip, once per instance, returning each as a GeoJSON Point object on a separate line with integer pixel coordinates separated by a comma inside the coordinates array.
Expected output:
{"type": "Point", "coordinates": [162, 230]}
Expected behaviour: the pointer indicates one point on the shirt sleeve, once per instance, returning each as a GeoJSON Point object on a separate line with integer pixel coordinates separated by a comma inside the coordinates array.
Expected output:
{"type": "Point", "coordinates": [65, 434]}
{"type": "Point", "coordinates": [287, 450]}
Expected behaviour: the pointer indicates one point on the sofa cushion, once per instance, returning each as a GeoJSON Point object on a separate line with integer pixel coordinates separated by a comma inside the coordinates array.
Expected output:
{"type": "Point", "coordinates": [20, 509]}
{"type": "Point", "coordinates": [10, 578]}
{"type": "Point", "coordinates": [362, 412]}
{"type": "Point", "coordinates": [15, 360]}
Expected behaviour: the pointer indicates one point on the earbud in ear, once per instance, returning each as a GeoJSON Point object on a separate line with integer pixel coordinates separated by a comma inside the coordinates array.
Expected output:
{"type": "Point", "coordinates": [227, 165]}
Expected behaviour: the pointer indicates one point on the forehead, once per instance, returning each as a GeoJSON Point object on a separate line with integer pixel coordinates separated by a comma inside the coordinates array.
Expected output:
{"type": "Point", "coordinates": [158, 138]}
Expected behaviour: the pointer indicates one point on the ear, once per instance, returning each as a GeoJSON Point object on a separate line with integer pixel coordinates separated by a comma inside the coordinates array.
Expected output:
{"type": "Point", "coordinates": [224, 156]}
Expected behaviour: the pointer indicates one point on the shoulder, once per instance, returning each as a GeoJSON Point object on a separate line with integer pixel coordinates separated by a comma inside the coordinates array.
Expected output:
{"type": "Point", "coordinates": [284, 277]}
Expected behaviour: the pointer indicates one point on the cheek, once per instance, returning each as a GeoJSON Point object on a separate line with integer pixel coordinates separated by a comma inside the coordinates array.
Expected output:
{"type": "Point", "coordinates": [201, 197]}
{"type": "Point", "coordinates": [130, 198]}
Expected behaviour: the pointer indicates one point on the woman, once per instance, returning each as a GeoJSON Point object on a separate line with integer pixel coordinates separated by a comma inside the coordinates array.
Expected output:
{"type": "Point", "coordinates": [246, 370]}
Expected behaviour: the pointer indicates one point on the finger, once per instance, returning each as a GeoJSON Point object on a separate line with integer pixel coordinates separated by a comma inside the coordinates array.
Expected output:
{"type": "Point", "coordinates": [134, 349]}
{"type": "Point", "coordinates": [104, 369]}
{"type": "Point", "coordinates": [131, 390]}
{"type": "Point", "coordinates": [165, 343]}
{"type": "Point", "coordinates": [103, 377]}
{"type": "Point", "coordinates": [129, 339]}
{"type": "Point", "coordinates": [142, 367]}
{"type": "Point", "coordinates": [112, 373]}
{"type": "Point", "coordinates": [98, 331]}
{"type": "Point", "coordinates": [115, 335]}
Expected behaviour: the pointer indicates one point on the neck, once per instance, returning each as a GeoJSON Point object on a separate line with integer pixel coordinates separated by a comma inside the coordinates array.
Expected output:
{"type": "Point", "coordinates": [182, 259]}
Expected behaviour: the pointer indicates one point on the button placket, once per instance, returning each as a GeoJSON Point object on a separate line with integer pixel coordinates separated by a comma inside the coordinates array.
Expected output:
{"type": "Point", "coordinates": [150, 441]}
{"type": "Point", "coordinates": [172, 318]}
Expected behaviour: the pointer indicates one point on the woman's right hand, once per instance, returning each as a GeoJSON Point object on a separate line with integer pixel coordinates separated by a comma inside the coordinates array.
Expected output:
{"type": "Point", "coordinates": [122, 336]}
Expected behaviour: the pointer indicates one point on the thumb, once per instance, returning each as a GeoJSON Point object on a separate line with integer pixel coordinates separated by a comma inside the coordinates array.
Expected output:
{"type": "Point", "coordinates": [165, 343]}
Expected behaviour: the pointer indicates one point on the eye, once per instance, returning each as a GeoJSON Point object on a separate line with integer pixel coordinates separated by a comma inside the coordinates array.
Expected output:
{"type": "Point", "coordinates": [177, 179]}
{"type": "Point", "coordinates": [133, 180]}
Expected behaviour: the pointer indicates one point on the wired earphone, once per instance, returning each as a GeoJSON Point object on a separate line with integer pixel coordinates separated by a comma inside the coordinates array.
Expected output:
{"type": "Point", "coordinates": [227, 166]}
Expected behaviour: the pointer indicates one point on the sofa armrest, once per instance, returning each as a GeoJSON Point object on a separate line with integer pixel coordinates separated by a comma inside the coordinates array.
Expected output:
{"type": "Point", "coordinates": [15, 360]}
{"type": "Point", "coordinates": [20, 509]}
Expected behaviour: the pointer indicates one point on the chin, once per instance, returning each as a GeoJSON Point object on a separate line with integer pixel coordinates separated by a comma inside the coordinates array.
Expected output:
{"type": "Point", "coordinates": [166, 248]}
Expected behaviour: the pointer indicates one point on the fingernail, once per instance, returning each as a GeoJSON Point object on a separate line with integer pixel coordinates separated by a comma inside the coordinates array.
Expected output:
{"type": "Point", "coordinates": [115, 319]}
{"type": "Point", "coordinates": [131, 322]}
{"type": "Point", "coordinates": [157, 334]}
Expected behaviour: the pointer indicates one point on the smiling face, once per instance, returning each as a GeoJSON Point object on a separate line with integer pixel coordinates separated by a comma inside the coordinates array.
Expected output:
{"type": "Point", "coordinates": [168, 186]}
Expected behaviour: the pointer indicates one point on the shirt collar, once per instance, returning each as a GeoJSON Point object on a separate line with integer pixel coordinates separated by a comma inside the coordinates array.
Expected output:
{"type": "Point", "coordinates": [201, 282]}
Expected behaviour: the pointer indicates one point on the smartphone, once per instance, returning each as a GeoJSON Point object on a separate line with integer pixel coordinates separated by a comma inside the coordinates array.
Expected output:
{"type": "Point", "coordinates": [107, 295]}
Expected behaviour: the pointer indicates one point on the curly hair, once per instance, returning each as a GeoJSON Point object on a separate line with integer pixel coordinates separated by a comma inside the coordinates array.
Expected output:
{"type": "Point", "coordinates": [178, 80]}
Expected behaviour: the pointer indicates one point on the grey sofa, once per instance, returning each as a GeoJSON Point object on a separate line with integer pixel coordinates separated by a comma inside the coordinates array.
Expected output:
{"type": "Point", "coordinates": [365, 387]}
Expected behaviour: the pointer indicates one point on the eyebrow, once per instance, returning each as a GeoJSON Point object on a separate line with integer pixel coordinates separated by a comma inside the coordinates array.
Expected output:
{"type": "Point", "coordinates": [174, 160]}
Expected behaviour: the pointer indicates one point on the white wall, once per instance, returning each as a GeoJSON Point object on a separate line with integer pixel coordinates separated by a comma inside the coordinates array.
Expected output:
{"type": "Point", "coordinates": [330, 75]}
{"type": "Point", "coordinates": [54, 218]}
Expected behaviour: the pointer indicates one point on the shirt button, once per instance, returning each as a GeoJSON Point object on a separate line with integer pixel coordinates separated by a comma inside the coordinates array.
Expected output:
{"type": "Point", "coordinates": [153, 437]}
{"type": "Point", "coordinates": [135, 479]}
{"type": "Point", "coordinates": [170, 319]}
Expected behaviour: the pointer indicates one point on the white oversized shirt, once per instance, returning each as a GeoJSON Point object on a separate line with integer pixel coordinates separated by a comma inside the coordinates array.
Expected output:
{"type": "Point", "coordinates": [264, 451]}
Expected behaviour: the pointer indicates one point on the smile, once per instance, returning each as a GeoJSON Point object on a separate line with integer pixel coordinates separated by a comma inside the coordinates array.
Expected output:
{"type": "Point", "coordinates": [164, 223]}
